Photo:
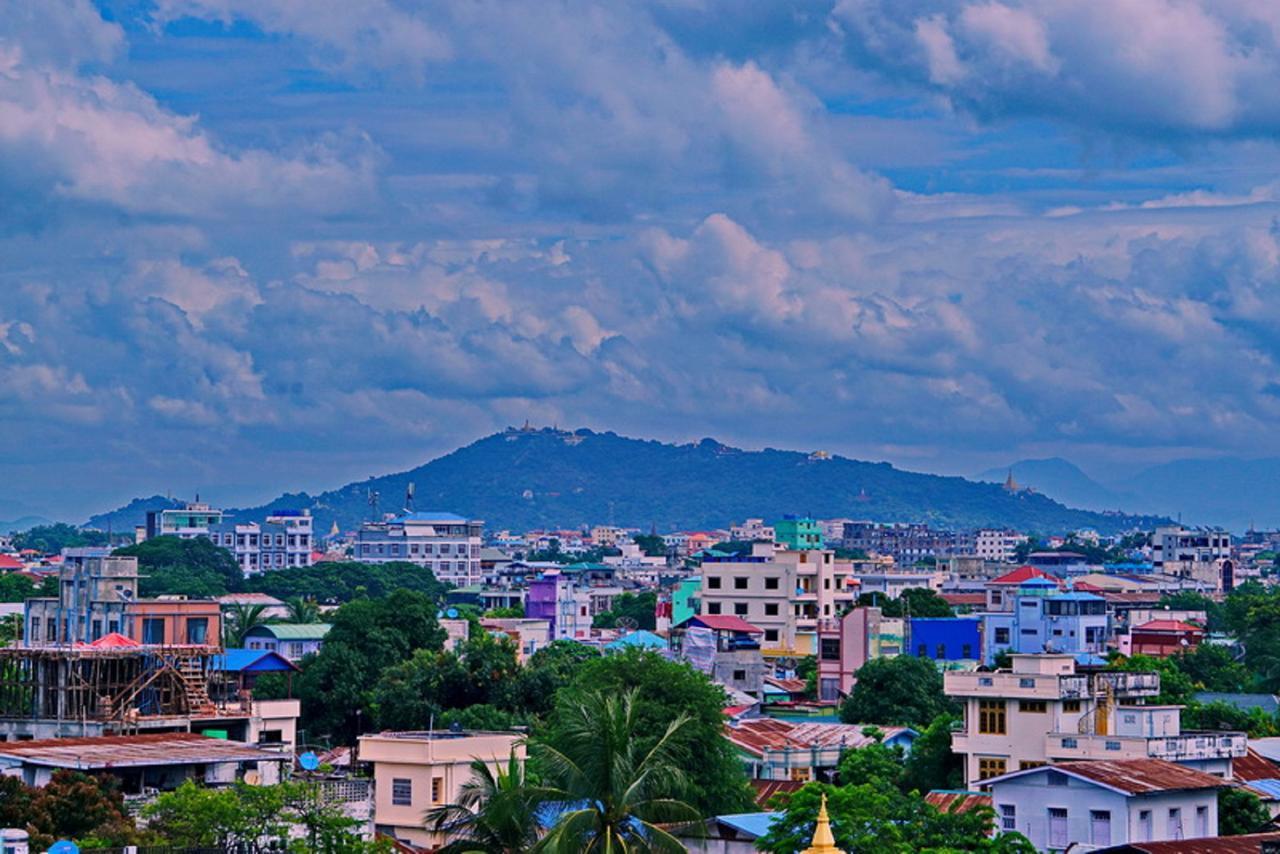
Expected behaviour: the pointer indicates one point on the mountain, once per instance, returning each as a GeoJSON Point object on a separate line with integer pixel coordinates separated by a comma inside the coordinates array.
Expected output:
{"type": "Point", "coordinates": [127, 517]}
{"type": "Point", "coordinates": [1062, 481]}
{"type": "Point", "coordinates": [1233, 492]}
{"type": "Point", "coordinates": [23, 523]}
{"type": "Point", "coordinates": [524, 479]}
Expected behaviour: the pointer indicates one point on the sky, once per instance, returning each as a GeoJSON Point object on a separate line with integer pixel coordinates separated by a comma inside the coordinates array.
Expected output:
{"type": "Point", "coordinates": [250, 246]}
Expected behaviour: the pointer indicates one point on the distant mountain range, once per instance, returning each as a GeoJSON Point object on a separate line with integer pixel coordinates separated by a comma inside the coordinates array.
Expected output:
{"type": "Point", "coordinates": [23, 523]}
{"type": "Point", "coordinates": [1232, 492]}
{"type": "Point", "coordinates": [524, 479]}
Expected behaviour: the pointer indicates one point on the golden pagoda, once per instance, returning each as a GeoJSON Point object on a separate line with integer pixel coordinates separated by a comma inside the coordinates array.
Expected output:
{"type": "Point", "coordinates": [823, 841]}
{"type": "Point", "coordinates": [1010, 484]}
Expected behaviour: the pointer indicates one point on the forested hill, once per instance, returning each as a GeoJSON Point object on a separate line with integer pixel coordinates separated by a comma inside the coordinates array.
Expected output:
{"type": "Point", "coordinates": [523, 479]}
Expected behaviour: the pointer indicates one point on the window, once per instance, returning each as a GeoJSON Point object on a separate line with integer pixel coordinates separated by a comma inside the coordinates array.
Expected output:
{"type": "Point", "coordinates": [197, 630]}
{"type": "Point", "coordinates": [940, 651]}
{"type": "Point", "coordinates": [771, 609]}
{"type": "Point", "coordinates": [1113, 745]}
{"type": "Point", "coordinates": [1056, 778]}
{"type": "Point", "coordinates": [1008, 817]}
{"type": "Point", "coordinates": [1100, 827]}
{"type": "Point", "coordinates": [1070, 705]}
{"type": "Point", "coordinates": [1173, 829]}
{"type": "Point", "coordinates": [1002, 635]}
{"type": "Point", "coordinates": [713, 608]}
{"type": "Point", "coordinates": [739, 582]}
{"type": "Point", "coordinates": [739, 676]}
{"type": "Point", "coordinates": [1144, 825]}
{"type": "Point", "coordinates": [771, 582]}
{"type": "Point", "coordinates": [437, 790]}
{"type": "Point", "coordinates": [1027, 764]}
{"type": "Point", "coordinates": [1027, 682]}
{"type": "Point", "coordinates": [152, 630]}
{"type": "Point", "coordinates": [1057, 827]}
{"type": "Point", "coordinates": [991, 717]}
{"type": "Point", "coordinates": [1038, 707]}
{"type": "Point", "coordinates": [966, 651]}
{"type": "Point", "coordinates": [401, 792]}
{"type": "Point", "coordinates": [96, 631]}
{"type": "Point", "coordinates": [713, 583]}
{"type": "Point", "coordinates": [922, 651]}
{"type": "Point", "coordinates": [771, 635]}
{"type": "Point", "coordinates": [990, 766]}
{"type": "Point", "coordinates": [1069, 744]}
{"type": "Point", "coordinates": [35, 628]}
{"type": "Point", "coordinates": [740, 609]}
{"type": "Point", "coordinates": [830, 649]}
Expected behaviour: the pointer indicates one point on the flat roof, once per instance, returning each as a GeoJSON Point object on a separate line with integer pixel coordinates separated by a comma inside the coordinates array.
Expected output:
{"type": "Point", "coordinates": [131, 751]}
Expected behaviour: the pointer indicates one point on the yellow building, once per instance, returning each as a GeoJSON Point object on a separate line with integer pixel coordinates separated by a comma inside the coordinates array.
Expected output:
{"type": "Point", "coordinates": [414, 772]}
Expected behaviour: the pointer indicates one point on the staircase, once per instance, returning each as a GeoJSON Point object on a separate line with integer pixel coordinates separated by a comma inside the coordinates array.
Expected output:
{"type": "Point", "coordinates": [193, 677]}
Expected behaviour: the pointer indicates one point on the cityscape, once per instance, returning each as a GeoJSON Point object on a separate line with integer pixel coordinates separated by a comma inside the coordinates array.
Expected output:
{"type": "Point", "coordinates": [639, 427]}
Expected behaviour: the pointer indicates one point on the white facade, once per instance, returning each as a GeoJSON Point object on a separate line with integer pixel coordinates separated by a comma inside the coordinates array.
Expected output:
{"type": "Point", "coordinates": [285, 539]}
{"type": "Point", "coordinates": [998, 545]}
{"type": "Point", "coordinates": [447, 544]}
{"type": "Point", "coordinates": [750, 531]}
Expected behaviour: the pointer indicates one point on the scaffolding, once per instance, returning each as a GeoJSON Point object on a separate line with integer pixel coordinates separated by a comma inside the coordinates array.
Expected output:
{"type": "Point", "coordinates": [117, 687]}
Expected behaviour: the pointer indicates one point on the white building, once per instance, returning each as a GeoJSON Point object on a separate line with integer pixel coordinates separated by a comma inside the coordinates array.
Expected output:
{"type": "Point", "coordinates": [996, 544]}
{"type": "Point", "coordinates": [750, 531]}
{"type": "Point", "coordinates": [445, 543]}
{"type": "Point", "coordinates": [285, 539]}
{"type": "Point", "coordinates": [1041, 711]}
{"type": "Point", "coordinates": [1104, 803]}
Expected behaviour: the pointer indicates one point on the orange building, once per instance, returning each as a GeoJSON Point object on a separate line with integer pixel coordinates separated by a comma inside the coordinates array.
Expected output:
{"type": "Point", "coordinates": [175, 622]}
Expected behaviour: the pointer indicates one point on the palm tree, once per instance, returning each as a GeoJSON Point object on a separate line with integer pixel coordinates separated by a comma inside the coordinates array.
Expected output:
{"type": "Point", "coordinates": [616, 794]}
{"type": "Point", "coordinates": [302, 610]}
{"type": "Point", "coordinates": [496, 813]}
{"type": "Point", "coordinates": [238, 620]}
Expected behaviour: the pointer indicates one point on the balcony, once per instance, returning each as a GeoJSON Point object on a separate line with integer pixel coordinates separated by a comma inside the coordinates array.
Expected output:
{"type": "Point", "coordinates": [1186, 747]}
{"type": "Point", "coordinates": [1131, 684]}
{"type": "Point", "coordinates": [1198, 745]}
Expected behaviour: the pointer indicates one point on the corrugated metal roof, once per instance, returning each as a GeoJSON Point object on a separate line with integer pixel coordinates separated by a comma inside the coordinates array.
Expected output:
{"type": "Point", "coordinates": [1247, 844]}
{"type": "Point", "coordinates": [1023, 574]}
{"type": "Point", "coordinates": [761, 734]}
{"type": "Point", "coordinates": [749, 824]}
{"type": "Point", "coordinates": [766, 789]}
{"type": "Point", "coordinates": [1128, 776]}
{"type": "Point", "coordinates": [251, 661]}
{"type": "Point", "coordinates": [291, 631]}
{"type": "Point", "coordinates": [120, 751]}
{"type": "Point", "coordinates": [1253, 766]}
{"type": "Point", "coordinates": [957, 800]}
{"type": "Point", "coordinates": [1267, 789]}
{"type": "Point", "coordinates": [723, 623]}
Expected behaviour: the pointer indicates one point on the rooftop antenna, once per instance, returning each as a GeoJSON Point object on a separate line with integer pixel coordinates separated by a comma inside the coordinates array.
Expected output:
{"type": "Point", "coordinates": [408, 498]}
{"type": "Point", "coordinates": [373, 505]}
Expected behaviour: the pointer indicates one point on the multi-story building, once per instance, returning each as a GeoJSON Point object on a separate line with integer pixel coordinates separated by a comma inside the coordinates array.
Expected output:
{"type": "Point", "coordinates": [189, 520]}
{"type": "Point", "coordinates": [569, 599]}
{"type": "Point", "coordinates": [414, 772]}
{"type": "Point", "coordinates": [905, 543]}
{"type": "Point", "coordinates": [1043, 619]}
{"type": "Point", "coordinates": [725, 648]}
{"type": "Point", "coordinates": [997, 544]}
{"type": "Point", "coordinates": [94, 590]}
{"type": "Point", "coordinates": [785, 593]}
{"type": "Point", "coordinates": [797, 533]}
{"type": "Point", "coordinates": [752, 530]}
{"type": "Point", "coordinates": [1200, 554]}
{"type": "Point", "coordinates": [285, 539]}
{"type": "Point", "coordinates": [1043, 710]}
{"type": "Point", "coordinates": [447, 544]}
{"type": "Point", "coordinates": [850, 641]}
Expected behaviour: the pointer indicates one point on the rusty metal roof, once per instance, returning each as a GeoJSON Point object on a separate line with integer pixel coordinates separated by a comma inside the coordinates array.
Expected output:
{"type": "Point", "coordinates": [1247, 844]}
{"type": "Point", "coordinates": [955, 800]}
{"type": "Point", "coordinates": [761, 734]}
{"type": "Point", "coordinates": [124, 751]}
{"type": "Point", "coordinates": [1127, 776]}
{"type": "Point", "coordinates": [766, 789]}
{"type": "Point", "coordinates": [1254, 766]}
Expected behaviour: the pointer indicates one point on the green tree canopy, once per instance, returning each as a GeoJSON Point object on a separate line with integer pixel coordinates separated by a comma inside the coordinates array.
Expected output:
{"type": "Point", "coordinates": [914, 602]}
{"type": "Point", "coordinates": [51, 539]}
{"type": "Point", "coordinates": [332, 581]}
{"type": "Point", "coordinates": [1241, 812]}
{"type": "Point", "coordinates": [651, 544]}
{"type": "Point", "coordinates": [16, 588]}
{"type": "Point", "coordinates": [896, 691]}
{"type": "Point", "coordinates": [665, 690]}
{"type": "Point", "coordinates": [194, 567]}
{"type": "Point", "coordinates": [1211, 667]}
{"type": "Point", "coordinates": [931, 764]}
{"type": "Point", "coordinates": [638, 607]}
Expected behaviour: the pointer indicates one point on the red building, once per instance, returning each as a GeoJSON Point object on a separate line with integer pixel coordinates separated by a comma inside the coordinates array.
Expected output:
{"type": "Point", "coordinates": [1163, 638]}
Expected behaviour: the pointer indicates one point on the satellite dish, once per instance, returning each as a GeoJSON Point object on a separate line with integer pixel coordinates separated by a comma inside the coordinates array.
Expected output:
{"type": "Point", "coordinates": [309, 761]}
{"type": "Point", "coordinates": [64, 846]}
{"type": "Point", "coordinates": [252, 778]}
{"type": "Point", "coordinates": [627, 623]}
{"type": "Point", "coordinates": [452, 613]}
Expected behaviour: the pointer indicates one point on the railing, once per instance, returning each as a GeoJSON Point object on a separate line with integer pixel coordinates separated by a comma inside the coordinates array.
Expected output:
{"type": "Point", "coordinates": [1198, 745]}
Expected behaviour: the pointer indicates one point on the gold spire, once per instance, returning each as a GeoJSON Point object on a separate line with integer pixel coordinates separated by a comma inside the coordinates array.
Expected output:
{"type": "Point", "coordinates": [1010, 484]}
{"type": "Point", "coordinates": [823, 840]}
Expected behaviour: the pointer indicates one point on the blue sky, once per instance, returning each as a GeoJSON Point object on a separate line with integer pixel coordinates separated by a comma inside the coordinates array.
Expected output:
{"type": "Point", "coordinates": [257, 245]}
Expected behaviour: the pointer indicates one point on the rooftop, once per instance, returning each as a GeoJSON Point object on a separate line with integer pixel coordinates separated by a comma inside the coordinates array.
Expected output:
{"type": "Point", "coordinates": [722, 623]}
{"type": "Point", "coordinates": [761, 734]}
{"type": "Point", "coordinates": [1127, 776]}
{"type": "Point", "coordinates": [1247, 844]}
{"type": "Point", "coordinates": [291, 631]}
{"type": "Point", "coordinates": [117, 751]}
{"type": "Point", "coordinates": [1023, 574]}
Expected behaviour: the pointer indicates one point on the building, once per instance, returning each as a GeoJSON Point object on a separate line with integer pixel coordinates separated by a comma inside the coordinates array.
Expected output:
{"type": "Point", "coordinates": [725, 648]}
{"type": "Point", "coordinates": [188, 520]}
{"type": "Point", "coordinates": [1161, 638]}
{"type": "Point", "coordinates": [569, 598]}
{"type": "Point", "coordinates": [145, 763]}
{"type": "Point", "coordinates": [785, 593]}
{"type": "Point", "coordinates": [996, 544]}
{"type": "Point", "coordinates": [947, 641]}
{"type": "Point", "coordinates": [775, 749]}
{"type": "Point", "coordinates": [1043, 619]}
{"type": "Point", "coordinates": [528, 636]}
{"type": "Point", "coordinates": [1199, 554]}
{"type": "Point", "coordinates": [797, 533]}
{"type": "Point", "coordinates": [414, 772]}
{"type": "Point", "coordinates": [850, 641]}
{"type": "Point", "coordinates": [1042, 710]}
{"type": "Point", "coordinates": [294, 641]}
{"type": "Point", "coordinates": [906, 543]}
{"type": "Point", "coordinates": [447, 544]}
{"type": "Point", "coordinates": [752, 530]}
{"type": "Point", "coordinates": [873, 577]}
{"type": "Point", "coordinates": [1103, 803]}
{"type": "Point", "coordinates": [285, 539]}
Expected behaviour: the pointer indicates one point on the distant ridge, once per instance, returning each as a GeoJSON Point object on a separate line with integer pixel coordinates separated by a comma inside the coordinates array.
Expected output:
{"type": "Point", "coordinates": [528, 478]}
{"type": "Point", "coordinates": [1062, 481]}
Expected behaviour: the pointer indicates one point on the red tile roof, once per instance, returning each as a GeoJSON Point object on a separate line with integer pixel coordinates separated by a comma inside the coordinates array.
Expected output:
{"type": "Point", "coordinates": [10, 562]}
{"type": "Point", "coordinates": [766, 789]}
{"type": "Point", "coordinates": [1168, 626]}
{"type": "Point", "coordinates": [1129, 776]}
{"type": "Point", "coordinates": [724, 623]}
{"type": "Point", "coordinates": [791, 686]}
{"type": "Point", "coordinates": [964, 598]}
{"type": "Point", "coordinates": [1023, 574]}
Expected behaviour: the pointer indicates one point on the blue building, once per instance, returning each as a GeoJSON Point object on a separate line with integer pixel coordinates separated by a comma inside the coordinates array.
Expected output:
{"type": "Point", "coordinates": [1045, 620]}
{"type": "Point", "coordinates": [945, 638]}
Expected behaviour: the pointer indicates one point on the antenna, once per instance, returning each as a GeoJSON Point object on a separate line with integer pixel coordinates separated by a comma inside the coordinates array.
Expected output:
{"type": "Point", "coordinates": [408, 498]}
{"type": "Point", "coordinates": [373, 505]}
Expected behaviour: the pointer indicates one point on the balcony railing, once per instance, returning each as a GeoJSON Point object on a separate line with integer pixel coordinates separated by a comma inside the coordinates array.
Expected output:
{"type": "Point", "coordinates": [1198, 745]}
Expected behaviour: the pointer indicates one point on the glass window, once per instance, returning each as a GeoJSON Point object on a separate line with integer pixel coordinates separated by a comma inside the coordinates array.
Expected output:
{"type": "Point", "coordinates": [739, 582]}
{"type": "Point", "coordinates": [401, 791]}
{"type": "Point", "coordinates": [991, 766]}
{"type": "Point", "coordinates": [1008, 817]}
{"type": "Point", "coordinates": [1070, 705]}
{"type": "Point", "coordinates": [713, 608]}
{"type": "Point", "coordinates": [1069, 743]}
{"type": "Point", "coordinates": [437, 790]}
{"type": "Point", "coordinates": [991, 717]}
{"type": "Point", "coordinates": [771, 583]}
{"type": "Point", "coordinates": [197, 630]}
{"type": "Point", "coordinates": [771, 609]}
{"type": "Point", "coordinates": [713, 583]}
{"type": "Point", "coordinates": [153, 630]}
{"type": "Point", "coordinates": [1038, 707]}
{"type": "Point", "coordinates": [740, 609]}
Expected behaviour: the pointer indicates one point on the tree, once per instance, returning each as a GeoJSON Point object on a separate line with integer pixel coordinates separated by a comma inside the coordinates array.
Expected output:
{"type": "Point", "coordinates": [624, 787]}
{"type": "Point", "coordinates": [51, 539]}
{"type": "Point", "coordinates": [74, 805]}
{"type": "Point", "coordinates": [15, 587]}
{"type": "Point", "coordinates": [302, 610]}
{"type": "Point", "coordinates": [871, 817]}
{"type": "Point", "coordinates": [367, 637]}
{"type": "Point", "coordinates": [1189, 600]}
{"type": "Point", "coordinates": [931, 764]}
{"type": "Point", "coordinates": [238, 620]}
{"type": "Point", "coordinates": [191, 567]}
{"type": "Point", "coordinates": [548, 670]}
{"type": "Point", "coordinates": [1224, 716]}
{"type": "Point", "coordinates": [514, 612]}
{"type": "Point", "coordinates": [1213, 668]}
{"type": "Point", "coordinates": [896, 691]}
{"type": "Point", "coordinates": [637, 607]}
{"type": "Point", "coordinates": [1240, 812]}
{"type": "Point", "coordinates": [331, 581]}
{"type": "Point", "coordinates": [875, 763]}
{"type": "Point", "coordinates": [496, 811]}
{"type": "Point", "coordinates": [914, 602]}
{"type": "Point", "coordinates": [665, 690]}
{"type": "Point", "coordinates": [651, 544]}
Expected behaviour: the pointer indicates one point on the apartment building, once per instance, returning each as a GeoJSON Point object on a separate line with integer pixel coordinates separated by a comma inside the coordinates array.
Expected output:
{"type": "Point", "coordinates": [997, 544]}
{"type": "Point", "coordinates": [414, 772]}
{"type": "Point", "coordinates": [785, 593]}
{"type": "Point", "coordinates": [1043, 710]}
{"type": "Point", "coordinates": [446, 543]}
{"type": "Point", "coordinates": [569, 598]}
{"type": "Point", "coordinates": [906, 543]}
{"type": "Point", "coordinates": [284, 539]}
{"type": "Point", "coordinates": [797, 533]}
{"type": "Point", "coordinates": [847, 643]}
{"type": "Point", "coordinates": [1199, 554]}
{"type": "Point", "coordinates": [1043, 619]}
{"type": "Point", "coordinates": [750, 531]}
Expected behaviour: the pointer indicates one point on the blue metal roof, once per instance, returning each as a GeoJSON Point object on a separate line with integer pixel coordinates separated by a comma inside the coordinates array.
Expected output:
{"type": "Point", "coordinates": [1271, 787]}
{"type": "Point", "coordinates": [430, 516]}
{"type": "Point", "coordinates": [641, 638]}
{"type": "Point", "coordinates": [252, 661]}
{"type": "Point", "coordinates": [753, 824]}
{"type": "Point", "coordinates": [1078, 597]}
